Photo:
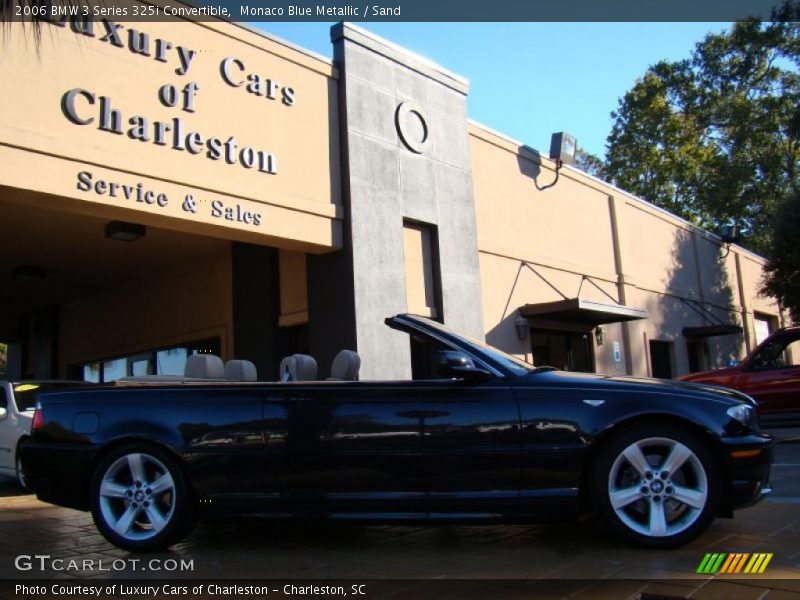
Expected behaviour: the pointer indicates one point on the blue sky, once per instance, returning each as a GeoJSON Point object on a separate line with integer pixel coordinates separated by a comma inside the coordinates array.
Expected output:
{"type": "Point", "coordinates": [529, 80]}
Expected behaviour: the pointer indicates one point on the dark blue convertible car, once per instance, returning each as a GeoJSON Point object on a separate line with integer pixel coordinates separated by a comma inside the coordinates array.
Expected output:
{"type": "Point", "coordinates": [481, 436]}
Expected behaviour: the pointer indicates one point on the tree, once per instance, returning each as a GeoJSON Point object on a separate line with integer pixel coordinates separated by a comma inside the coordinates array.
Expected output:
{"type": "Point", "coordinates": [589, 163]}
{"type": "Point", "coordinates": [782, 272]}
{"type": "Point", "coordinates": [33, 13]}
{"type": "Point", "coordinates": [716, 138]}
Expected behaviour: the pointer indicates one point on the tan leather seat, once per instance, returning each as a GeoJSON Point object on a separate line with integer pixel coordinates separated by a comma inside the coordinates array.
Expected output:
{"type": "Point", "coordinates": [298, 367]}
{"type": "Point", "coordinates": [240, 370]}
{"type": "Point", "coordinates": [204, 366]}
{"type": "Point", "coordinates": [345, 366]}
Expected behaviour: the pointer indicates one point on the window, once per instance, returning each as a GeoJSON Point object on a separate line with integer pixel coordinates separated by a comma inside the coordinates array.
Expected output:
{"type": "Point", "coordinates": [171, 361]}
{"type": "Point", "coordinates": [162, 361]}
{"type": "Point", "coordinates": [565, 350]}
{"type": "Point", "coordinates": [792, 353]}
{"type": "Point", "coordinates": [777, 354]}
{"type": "Point", "coordinates": [661, 359]}
{"type": "Point", "coordinates": [91, 372]}
{"type": "Point", "coordinates": [115, 369]}
{"type": "Point", "coordinates": [421, 272]}
{"type": "Point", "coordinates": [425, 358]}
{"type": "Point", "coordinates": [764, 326]}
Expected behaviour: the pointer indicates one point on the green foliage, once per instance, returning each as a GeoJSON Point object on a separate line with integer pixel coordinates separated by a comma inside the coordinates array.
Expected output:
{"type": "Point", "coordinates": [716, 138]}
{"type": "Point", "coordinates": [588, 162]}
{"type": "Point", "coordinates": [782, 273]}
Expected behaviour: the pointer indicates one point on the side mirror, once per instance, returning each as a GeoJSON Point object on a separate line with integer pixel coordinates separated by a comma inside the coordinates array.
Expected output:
{"type": "Point", "coordinates": [3, 413]}
{"type": "Point", "coordinates": [459, 365]}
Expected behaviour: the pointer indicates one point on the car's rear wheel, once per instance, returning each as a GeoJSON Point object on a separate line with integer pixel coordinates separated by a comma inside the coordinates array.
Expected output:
{"type": "Point", "coordinates": [140, 499]}
{"type": "Point", "coordinates": [657, 485]}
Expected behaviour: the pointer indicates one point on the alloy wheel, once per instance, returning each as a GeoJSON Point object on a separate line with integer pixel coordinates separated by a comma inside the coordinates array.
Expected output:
{"type": "Point", "coordinates": [658, 487]}
{"type": "Point", "coordinates": [23, 483]}
{"type": "Point", "coordinates": [137, 496]}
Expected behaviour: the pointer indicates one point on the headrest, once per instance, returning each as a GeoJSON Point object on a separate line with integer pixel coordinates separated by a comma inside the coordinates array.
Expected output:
{"type": "Point", "coordinates": [345, 366]}
{"type": "Point", "coordinates": [240, 370]}
{"type": "Point", "coordinates": [298, 367]}
{"type": "Point", "coordinates": [204, 366]}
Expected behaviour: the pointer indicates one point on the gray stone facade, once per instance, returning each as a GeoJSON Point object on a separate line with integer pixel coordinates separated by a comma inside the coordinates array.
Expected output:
{"type": "Point", "coordinates": [406, 154]}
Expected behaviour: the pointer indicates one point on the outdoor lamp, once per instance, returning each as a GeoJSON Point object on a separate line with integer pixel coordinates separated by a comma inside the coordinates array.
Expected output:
{"type": "Point", "coordinates": [125, 232]}
{"type": "Point", "coordinates": [730, 235]}
{"type": "Point", "coordinates": [521, 325]}
{"type": "Point", "coordinates": [600, 335]}
{"type": "Point", "coordinates": [563, 148]}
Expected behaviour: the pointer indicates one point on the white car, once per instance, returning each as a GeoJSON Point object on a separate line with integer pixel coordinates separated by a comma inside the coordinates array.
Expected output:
{"type": "Point", "coordinates": [17, 401]}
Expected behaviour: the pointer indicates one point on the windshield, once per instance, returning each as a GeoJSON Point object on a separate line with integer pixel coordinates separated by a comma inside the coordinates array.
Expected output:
{"type": "Point", "coordinates": [512, 363]}
{"type": "Point", "coordinates": [26, 393]}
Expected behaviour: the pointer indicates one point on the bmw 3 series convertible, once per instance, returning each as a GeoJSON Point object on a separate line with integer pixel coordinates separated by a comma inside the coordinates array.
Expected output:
{"type": "Point", "coordinates": [481, 437]}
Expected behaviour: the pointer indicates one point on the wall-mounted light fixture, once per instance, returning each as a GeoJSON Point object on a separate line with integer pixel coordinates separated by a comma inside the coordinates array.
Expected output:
{"type": "Point", "coordinates": [123, 231]}
{"type": "Point", "coordinates": [730, 235]}
{"type": "Point", "coordinates": [28, 273]}
{"type": "Point", "coordinates": [600, 335]}
{"type": "Point", "coordinates": [563, 148]}
{"type": "Point", "coordinates": [521, 325]}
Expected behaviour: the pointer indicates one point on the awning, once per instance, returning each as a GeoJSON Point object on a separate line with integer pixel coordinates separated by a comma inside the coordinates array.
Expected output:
{"type": "Point", "coordinates": [582, 312]}
{"type": "Point", "coordinates": [711, 330]}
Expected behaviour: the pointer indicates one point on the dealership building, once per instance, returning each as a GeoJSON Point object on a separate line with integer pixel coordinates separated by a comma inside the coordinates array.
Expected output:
{"type": "Point", "coordinates": [172, 188]}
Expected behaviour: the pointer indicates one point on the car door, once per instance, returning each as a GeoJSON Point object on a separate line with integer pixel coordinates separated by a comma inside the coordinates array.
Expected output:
{"type": "Point", "coordinates": [471, 442]}
{"type": "Point", "coordinates": [347, 447]}
{"type": "Point", "coordinates": [468, 423]}
{"type": "Point", "coordinates": [406, 448]}
{"type": "Point", "coordinates": [554, 421]}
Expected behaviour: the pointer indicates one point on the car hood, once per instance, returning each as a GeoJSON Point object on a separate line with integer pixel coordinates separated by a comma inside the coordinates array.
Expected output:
{"type": "Point", "coordinates": [644, 385]}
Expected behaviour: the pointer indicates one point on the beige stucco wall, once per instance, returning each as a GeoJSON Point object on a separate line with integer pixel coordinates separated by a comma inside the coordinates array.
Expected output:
{"type": "Point", "coordinates": [43, 150]}
{"type": "Point", "coordinates": [180, 304]}
{"type": "Point", "coordinates": [537, 243]}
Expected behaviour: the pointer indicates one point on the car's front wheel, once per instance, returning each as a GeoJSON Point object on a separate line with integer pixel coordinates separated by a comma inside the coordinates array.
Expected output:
{"type": "Point", "coordinates": [657, 485]}
{"type": "Point", "coordinates": [140, 499]}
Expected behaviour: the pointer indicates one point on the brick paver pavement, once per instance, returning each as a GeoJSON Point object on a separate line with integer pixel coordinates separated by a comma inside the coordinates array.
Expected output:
{"type": "Point", "coordinates": [565, 560]}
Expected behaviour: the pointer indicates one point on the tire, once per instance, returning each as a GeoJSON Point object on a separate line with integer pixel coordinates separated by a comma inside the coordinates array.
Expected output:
{"type": "Point", "coordinates": [141, 500]}
{"type": "Point", "coordinates": [657, 486]}
{"type": "Point", "coordinates": [20, 471]}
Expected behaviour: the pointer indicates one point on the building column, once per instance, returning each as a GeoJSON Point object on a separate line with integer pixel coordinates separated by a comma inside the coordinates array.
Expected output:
{"type": "Point", "coordinates": [616, 206]}
{"type": "Point", "coordinates": [405, 149]}
{"type": "Point", "coordinates": [256, 309]}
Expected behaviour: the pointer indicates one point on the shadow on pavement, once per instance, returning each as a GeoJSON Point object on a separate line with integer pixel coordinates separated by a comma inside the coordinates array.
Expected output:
{"type": "Point", "coordinates": [9, 487]}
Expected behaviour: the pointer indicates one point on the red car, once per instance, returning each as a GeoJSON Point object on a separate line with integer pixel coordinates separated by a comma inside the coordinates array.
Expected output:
{"type": "Point", "coordinates": [770, 374]}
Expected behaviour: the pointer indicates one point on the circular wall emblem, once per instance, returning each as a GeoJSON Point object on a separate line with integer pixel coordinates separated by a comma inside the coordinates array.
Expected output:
{"type": "Point", "coordinates": [411, 126]}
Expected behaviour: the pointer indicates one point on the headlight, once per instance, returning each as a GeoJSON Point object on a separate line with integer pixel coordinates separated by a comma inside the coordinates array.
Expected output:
{"type": "Point", "coordinates": [746, 415]}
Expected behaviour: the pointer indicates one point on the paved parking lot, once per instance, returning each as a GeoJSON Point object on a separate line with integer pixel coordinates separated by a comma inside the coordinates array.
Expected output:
{"type": "Point", "coordinates": [564, 560]}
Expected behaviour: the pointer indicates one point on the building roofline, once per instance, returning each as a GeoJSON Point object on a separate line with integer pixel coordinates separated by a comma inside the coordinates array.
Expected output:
{"type": "Point", "coordinates": [261, 33]}
{"type": "Point", "coordinates": [621, 191]}
{"type": "Point", "coordinates": [399, 54]}
{"type": "Point", "coordinates": [282, 42]}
